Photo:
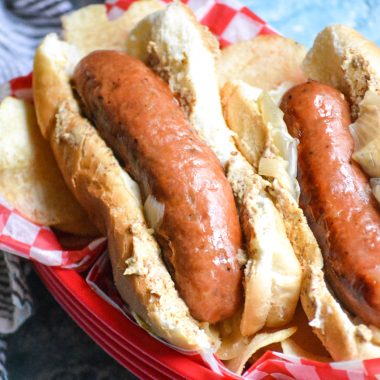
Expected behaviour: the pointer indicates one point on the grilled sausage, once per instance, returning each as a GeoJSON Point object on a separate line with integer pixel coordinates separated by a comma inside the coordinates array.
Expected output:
{"type": "Point", "coordinates": [336, 196]}
{"type": "Point", "coordinates": [141, 121]}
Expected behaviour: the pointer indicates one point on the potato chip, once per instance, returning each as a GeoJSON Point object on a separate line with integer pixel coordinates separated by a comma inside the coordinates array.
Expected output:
{"type": "Point", "coordinates": [264, 62]}
{"type": "Point", "coordinates": [89, 28]}
{"type": "Point", "coordinates": [17, 143]}
{"type": "Point", "coordinates": [232, 341]}
{"type": "Point", "coordinates": [236, 350]}
{"type": "Point", "coordinates": [297, 339]}
{"type": "Point", "coordinates": [29, 176]}
{"type": "Point", "coordinates": [258, 341]}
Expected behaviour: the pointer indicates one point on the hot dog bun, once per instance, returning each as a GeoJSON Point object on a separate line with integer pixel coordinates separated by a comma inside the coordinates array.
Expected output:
{"type": "Point", "coordinates": [113, 202]}
{"type": "Point", "coordinates": [333, 213]}
{"type": "Point", "coordinates": [184, 54]}
{"type": "Point", "coordinates": [353, 68]}
{"type": "Point", "coordinates": [343, 335]}
{"type": "Point", "coordinates": [162, 40]}
{"type": "Point", "coordinates": [272, 289]}
{"type": "Point", "coordinates": [50, 84]}
{"type": "Point", "coordinates": [198, 232]}
{"type": "Point", "coordinates": [353, 64]}
{"type": "Point", "coordinates": [244, 116]}
{"type": "Point", "coordinates": [171, 42]}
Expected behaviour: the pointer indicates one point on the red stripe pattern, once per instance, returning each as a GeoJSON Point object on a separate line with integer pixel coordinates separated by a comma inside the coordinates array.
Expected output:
{"type": "Point", "coordinates": [229, 20]}
{"type": "Point", "coordinates": [24, 238]}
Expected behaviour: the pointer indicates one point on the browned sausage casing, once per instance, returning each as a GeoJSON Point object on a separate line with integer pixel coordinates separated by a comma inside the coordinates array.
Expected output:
{"type": "Point", "coordinates": [141, 120]}
{"type": "Point", "coordinates": [336, 196]}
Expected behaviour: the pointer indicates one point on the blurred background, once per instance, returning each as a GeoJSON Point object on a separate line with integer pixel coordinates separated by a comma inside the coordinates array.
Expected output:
{"type": "Point", "coordinates": [303, 19]}
{"type": "Point", "coordinates": [49, 346]}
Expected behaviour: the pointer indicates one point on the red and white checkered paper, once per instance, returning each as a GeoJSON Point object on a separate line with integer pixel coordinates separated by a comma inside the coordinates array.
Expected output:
{"type": "Point", "coordinates": [275, 364]}
{"type": "Point", "coordinates": [231, 22]}
{"type": "Point", "coordinates": [20, 236]}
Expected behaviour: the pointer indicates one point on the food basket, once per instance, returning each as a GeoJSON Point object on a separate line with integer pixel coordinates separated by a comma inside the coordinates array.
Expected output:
{"type": "Point", "coordinates": [81, 280]}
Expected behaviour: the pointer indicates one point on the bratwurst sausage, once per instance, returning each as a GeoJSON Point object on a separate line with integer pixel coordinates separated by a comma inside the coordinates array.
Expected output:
{"type": "Point", "coordinates": [140, 119]}
{"type": "Point", "coordinates": [336, 196]}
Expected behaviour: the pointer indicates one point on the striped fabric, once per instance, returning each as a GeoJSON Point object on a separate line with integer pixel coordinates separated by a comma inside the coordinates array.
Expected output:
{"type": "Point", "coordinates": [22, 25]}
{"type": "Point", "coordinates": [15, 301]}
{"type": "Point", "coordinates": [3, 348]}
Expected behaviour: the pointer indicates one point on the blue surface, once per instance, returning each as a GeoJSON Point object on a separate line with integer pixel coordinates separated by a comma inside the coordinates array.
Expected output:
{"type": "Point", "coordinates": [302, 20]}
{"type": "Point", "coordinates": [50, 345]}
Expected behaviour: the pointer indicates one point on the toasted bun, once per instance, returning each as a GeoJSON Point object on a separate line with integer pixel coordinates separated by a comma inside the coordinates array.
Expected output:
{"type": "Point", "coordinates": [344, 337]}
{"type": "Point", "coordinates": [246, 116]}
{"type": "Point", "coordinates": [272, 275]}
{"type": "Point", "coordinates": [344, 59]}
{"type": "Point", "coordinates": [50, 85]}
{"type": "Point", "coordinates": [172, 42]}
{"type": "Point", "coordinates": [110, 197]}
{"type": "Point", "coordinates": [184, 53]}
{"type": "Point", "coordinates": [85, 30]}
{"type": "Point", "coordinates": [113, 201]}
{"type": "Point", "coordinates": [264, 62]}
{"type": "Point", "coordinates": [245, 106]}
{"type": "Point", "coordinates": [353, 67]}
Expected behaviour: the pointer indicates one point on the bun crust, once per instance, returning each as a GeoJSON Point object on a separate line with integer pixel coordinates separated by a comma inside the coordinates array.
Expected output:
{"type": "Point", "coordinates": [185, 55]}
{"type": "Point", "coordinates": [50, 84]}
{"type": "Point", "coordinates": [353, 64]}
{"type": "Point", "coordinates": [344, 337]}
{"type": "Point", "coordinates": [344, 59]}
{"type": "Point", "coordinates": [112, 200]}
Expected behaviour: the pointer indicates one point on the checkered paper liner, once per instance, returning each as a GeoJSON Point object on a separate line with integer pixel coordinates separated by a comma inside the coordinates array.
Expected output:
{"type": "Point", "coordinates": [275, 364]}
{"type": "Point", "coordinates": [231, 22]}
{"type": "Point", "coordinates": [20, 236]}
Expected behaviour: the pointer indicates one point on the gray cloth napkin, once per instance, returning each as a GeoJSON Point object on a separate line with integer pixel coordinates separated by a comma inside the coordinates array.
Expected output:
{"type": "Point", "coordinates": [15, 301]}
{"type": "Point", "coordinates": [23, 23]}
